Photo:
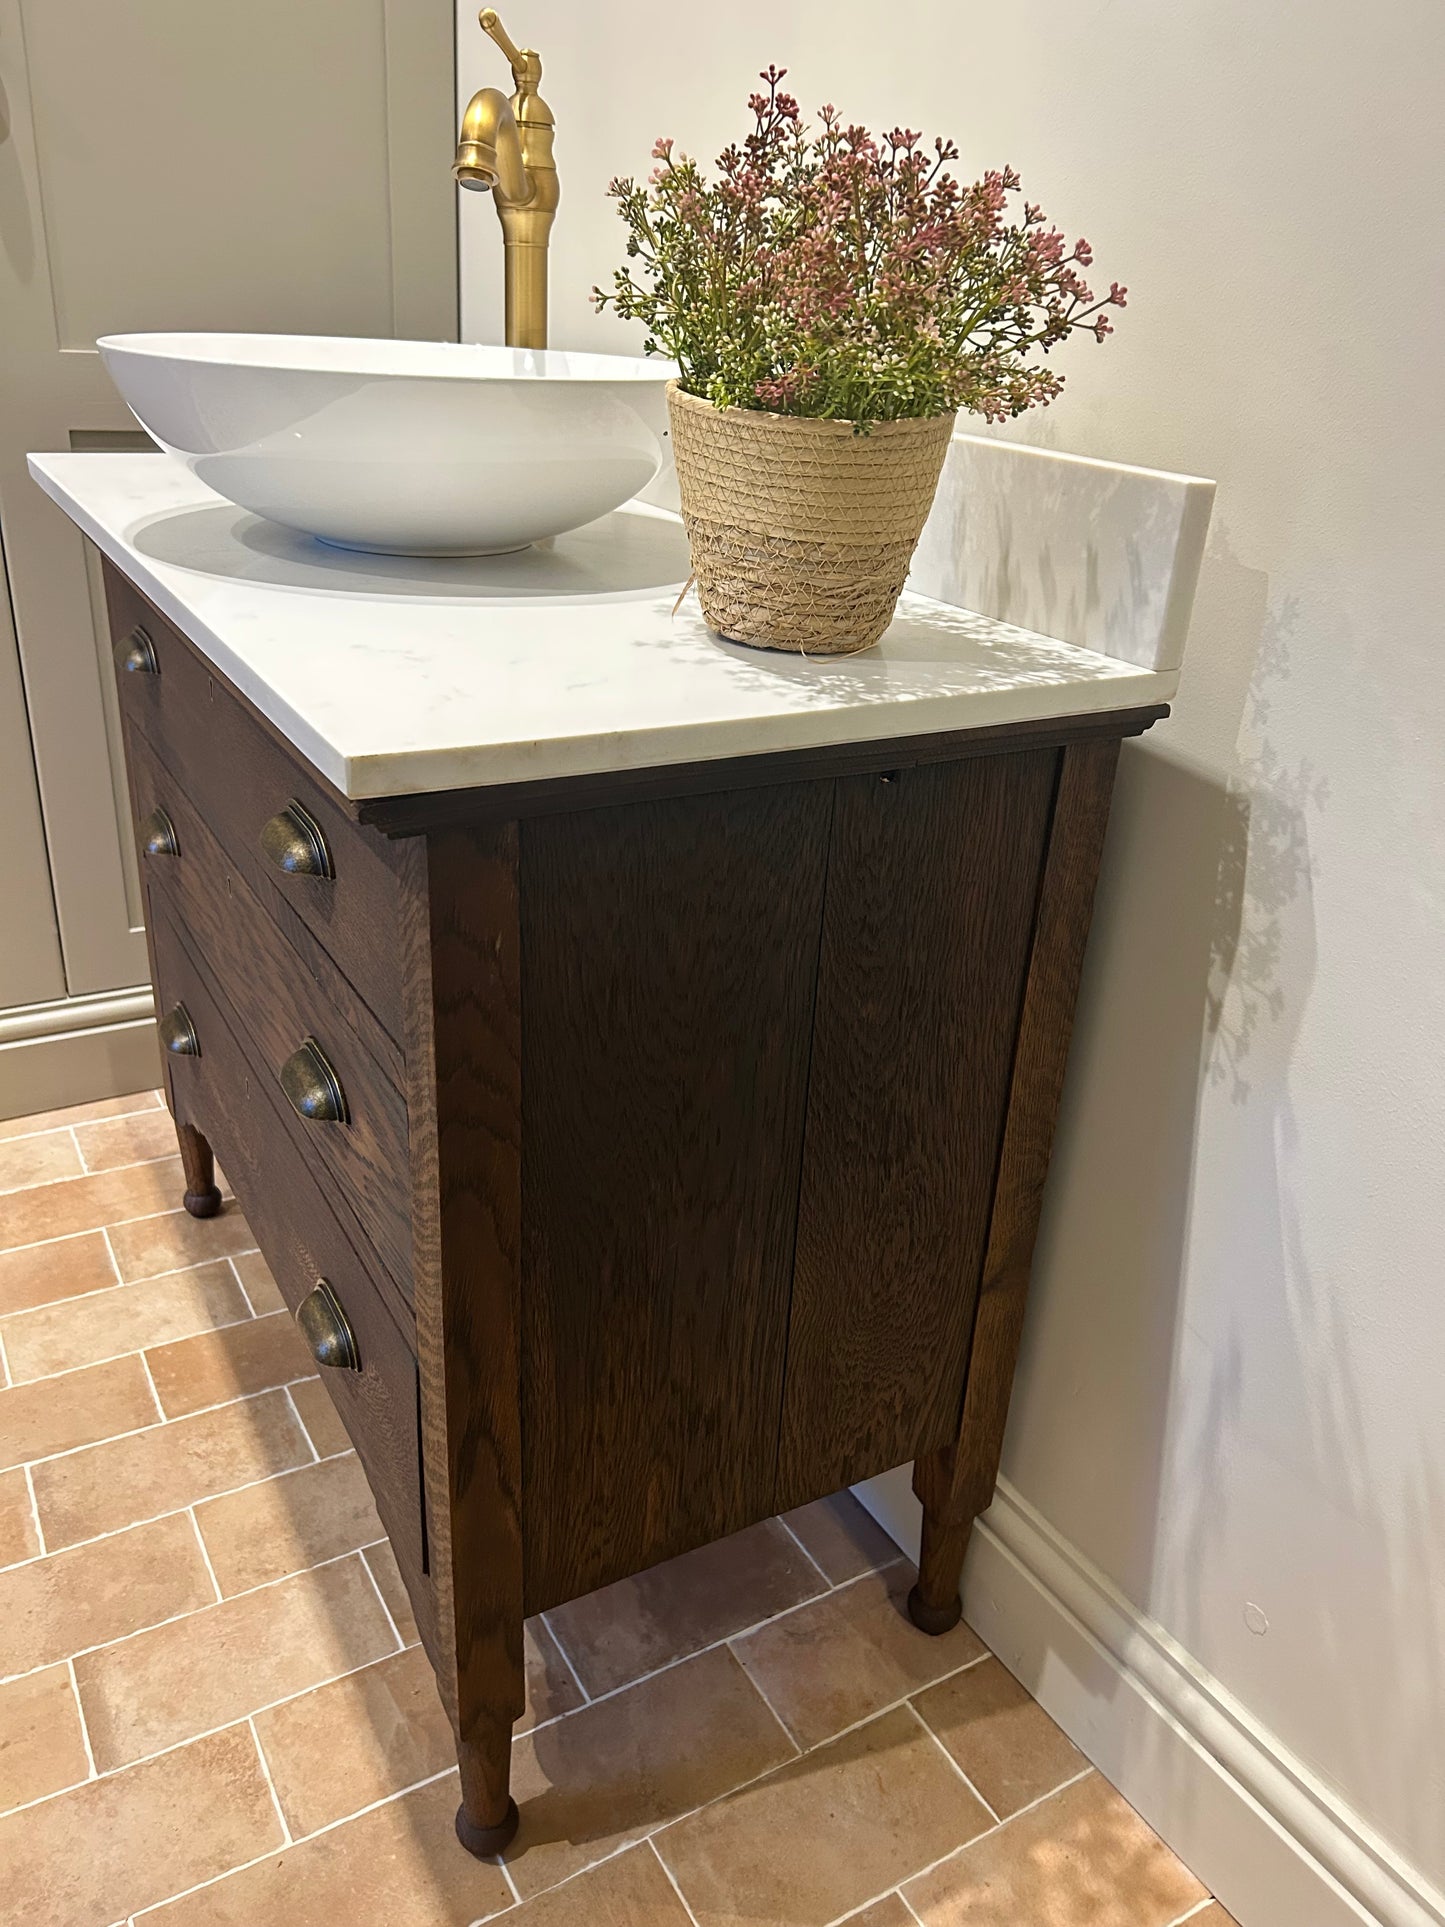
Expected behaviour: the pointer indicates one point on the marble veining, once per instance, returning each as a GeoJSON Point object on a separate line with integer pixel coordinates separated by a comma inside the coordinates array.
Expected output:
{"type": "Point", "coordinates": [396, 675]}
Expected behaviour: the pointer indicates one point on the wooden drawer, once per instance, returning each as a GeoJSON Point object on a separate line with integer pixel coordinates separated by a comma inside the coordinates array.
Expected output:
{"type": "Point", "coordinates": [283, 1000]}
{"type": "Point", "coordinates": [240, 1112]}
{"type": "Point", "coordinates": [239, 776]}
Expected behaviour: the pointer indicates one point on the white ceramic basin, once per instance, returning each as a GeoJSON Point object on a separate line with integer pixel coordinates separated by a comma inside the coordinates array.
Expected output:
{"type": "Point", "coordinates": [401, 447]}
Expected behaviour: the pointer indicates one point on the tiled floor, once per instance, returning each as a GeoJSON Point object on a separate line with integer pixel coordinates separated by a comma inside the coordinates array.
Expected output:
{"type": "Point", "coordinates": [213, 1711]}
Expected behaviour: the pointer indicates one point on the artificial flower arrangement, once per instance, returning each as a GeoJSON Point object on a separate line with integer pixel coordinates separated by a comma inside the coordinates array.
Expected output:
{"type": "Point", "coordinates": [832, 300]}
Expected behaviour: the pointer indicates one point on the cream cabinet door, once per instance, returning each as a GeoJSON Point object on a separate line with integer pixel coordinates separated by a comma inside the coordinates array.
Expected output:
{"type": "Point", "coordinates": [183, 164]}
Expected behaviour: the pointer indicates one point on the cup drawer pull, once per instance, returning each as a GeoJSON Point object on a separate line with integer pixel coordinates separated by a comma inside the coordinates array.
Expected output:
{"type": "Point", "coordinates": [294, 842]}
{"type": "Point", "coordinates": [313, 1090]}
{"type": "Point", "coordinates": [136, 654]}
{"type": "Point", "coordinates": [327, 1330]}
{"type": "Point", "coordinates": [178, 1033]}
{"type": "Point", "coordinates": [158, 835]}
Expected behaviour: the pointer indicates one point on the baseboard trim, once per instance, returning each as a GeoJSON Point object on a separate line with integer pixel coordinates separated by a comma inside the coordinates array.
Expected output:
{"type": "Point", "coordinates": [77, 1049]}
{"type": "Point", "coordinates": [1258, 1827]}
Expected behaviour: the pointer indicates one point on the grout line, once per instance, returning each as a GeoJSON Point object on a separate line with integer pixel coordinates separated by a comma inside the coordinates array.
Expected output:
{"type": "Point", "coordinates": [286, 1835]}
{"type": "Point", "coordinates": [115, 1224]}
{"type": "Point", "coordinates": [155, 1518]}
{"type": "Point", "coordinates": [114, 1265]}
{"type": "Point", "coordinates": [85, 1170]}
{"type": "Point", "coordinates": [80, 1715]}
{"type": "Point", "coordinates": [566, 1660]}
{"type": "Point", "coordinates": [138, 1431]}
{"type": "Point", "coordinates": [206, 1559]}
{"type": "Point", "coordinates": [35, 1515]}
{"type": "Point", "coordinates": [226, 1599]}
{"type": "Point", "coordinates": [145, 1366]}
{"type": "Point", "coordinates": [926, 1728]}
{"type": "Point", "coordinates": [5, 1378]}
{"type": "Point", "coordinates": [672, 1881]}
{"type": "Point", "coordinates": [912, 1911]}
{"type": "Point", "coordinates": [761, 1692]}
{"type": "Point", "coordinates": [512, 1888]}
{"type": "Point", "coordinates": [45, 1130]}
{"type": "Point", "coordinates": [295, 1410]}
{"type": "Point", "coordinates": [401, 1646]}
{"type": "Point", "coordinates": [240, 1282]}
{"type": "Point", "coordinates": [804, 1550]}
{"type": "Point", "coordinates": [1194, 1912]}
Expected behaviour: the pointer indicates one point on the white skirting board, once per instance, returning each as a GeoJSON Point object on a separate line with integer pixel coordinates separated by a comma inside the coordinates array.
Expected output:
{"type": "Point", "coordinates": [1257, 1827]}
{"type": "Point", "coordinates": [77, 1049]}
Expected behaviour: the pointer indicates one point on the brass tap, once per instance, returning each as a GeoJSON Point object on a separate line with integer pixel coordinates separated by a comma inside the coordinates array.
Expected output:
{"type": "Point", "coordinates": [506, 146]}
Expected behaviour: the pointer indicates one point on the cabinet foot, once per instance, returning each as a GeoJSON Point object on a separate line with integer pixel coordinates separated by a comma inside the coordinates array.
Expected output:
{"type": "Point", "coordinates": [487, 1816]}
{"type": "Point", "coordinates": [486, 1842]}
{"type": "Point", "coordinates": [934, 1605]}
{"type": "Point", "coordinates": [934, 1620]}
{"type": "Point", "coordinates": [202, 1198]}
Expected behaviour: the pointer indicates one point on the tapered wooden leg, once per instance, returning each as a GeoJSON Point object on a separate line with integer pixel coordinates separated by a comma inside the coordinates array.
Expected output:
{"type": "Point", "coordinates": [934, 1604]}
{"type": "Point", "coordinates": [487, 1816]}
{"type": "Point", "coordinates": [203, 1200]}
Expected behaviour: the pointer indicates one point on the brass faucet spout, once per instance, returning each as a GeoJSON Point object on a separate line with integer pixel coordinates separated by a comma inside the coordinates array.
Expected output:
{"type": "Point", "coordinates": [506, 146]}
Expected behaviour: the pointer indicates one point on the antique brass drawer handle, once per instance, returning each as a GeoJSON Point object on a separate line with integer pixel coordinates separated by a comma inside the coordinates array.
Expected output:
{"type": "Point", "coordinates": [313, 1090]}
{"type": "Point", "coordinates": [294, 842]}
{"type": "Point", "coordinates": [326, 1329]}
{"type": "Point", "coordinates": [137, 654]}
{"type": "Point", "coordinates": [158, 836]}
{"type": "Point", "coordinates": [178, 1033]}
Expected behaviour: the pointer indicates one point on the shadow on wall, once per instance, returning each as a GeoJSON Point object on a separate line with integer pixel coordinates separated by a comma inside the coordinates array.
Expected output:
{"type": "Point", "coordinates": [1188, 1409]}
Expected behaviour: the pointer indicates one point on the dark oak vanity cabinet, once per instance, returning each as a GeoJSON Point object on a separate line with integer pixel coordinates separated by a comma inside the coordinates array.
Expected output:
{"type": "Point", "coordinates": [641, 1154]}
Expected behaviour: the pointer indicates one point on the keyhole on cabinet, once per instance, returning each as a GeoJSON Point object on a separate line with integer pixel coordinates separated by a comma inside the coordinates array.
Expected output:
{"type": "Point", "coordinates": [889, 776]}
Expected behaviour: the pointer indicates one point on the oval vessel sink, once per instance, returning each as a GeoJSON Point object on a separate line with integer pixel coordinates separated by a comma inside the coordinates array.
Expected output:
{"type": "Point", "coordinates": [400, 447]}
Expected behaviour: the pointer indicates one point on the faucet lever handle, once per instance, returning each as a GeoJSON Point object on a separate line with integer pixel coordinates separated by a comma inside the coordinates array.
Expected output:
{"type": "Point", "coordinates": [526, 65]}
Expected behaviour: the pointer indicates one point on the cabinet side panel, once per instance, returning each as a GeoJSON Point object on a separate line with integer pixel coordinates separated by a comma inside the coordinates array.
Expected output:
{"type": "Point", "coordinates": [669, 960]}
{"type": "Point", "coordinates": [933, 882]}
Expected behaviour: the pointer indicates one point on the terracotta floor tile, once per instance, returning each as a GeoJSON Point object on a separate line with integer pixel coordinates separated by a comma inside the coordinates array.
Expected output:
{"type": "Point", "coordinates": [65, 1268]}
{"type": "Point", "coordinates": [551, 1689]}
{"type": "Point", "coordinates": [173, 1239]}
{"type": "Point", "coordinates": [889, 1912]}
{"type": "Point", "coordinates": [258, 1284]}
{"type": "Point", "coordinates": [1213, 1916]}
{"type": "Point", "coordinates": [825, 1833]}
{"type": "Point", "coordinates": [113, 1142]}
{"type": "Point", "coordinates": [109, 1486]}
{"type": "Point", "coordinates": [841, 1537]}
{"type": "Point", "coordinates": [1004, 1740]}
{"type": "Point", "coordinates": [630, 1890]}
{"type": "Point", "coordinates": [632, 1628]}
{"type": "Point", "coordinates": [79, 1114]}
{"type": "Point", "coordinates": [848, 1655]}
{"type": "Point", "coordinates": [42, 1748]}
{"type": "Point", "coordinates": [219, 1665]}
{"type": "Point", "coordinates": [289, 1523]}
{"type": "Point", "coordinates": [78, 1409]}
{"type": "Point", "coordinates": [1082, 1859]}
{"type": "Point", "coordinates": [389, 1583]}
{"type": "Point", "coordinates": [84, 1204]}
{"type": "Point", "coordinates": [619, 1768]}
{"type": "Point", "coordinates": [347, 1745]}
{"type": "Point", "coordinates": [82, 1331]}
{"type": "Point", "coordinates": [397, 1866]}
{"type": "Point", "coordinates": [86, 1857]}
{"type": "Point", "coordinates": [214, 1367]}
{"type": "Point", "coordinates": [320, 1417]}
{"type": "Point", "coordinates": [91, 1594]}
{"type": "Point", "coordinates": [37, 1160]}
{"type": "Point", "coordinates": [18, 1537]}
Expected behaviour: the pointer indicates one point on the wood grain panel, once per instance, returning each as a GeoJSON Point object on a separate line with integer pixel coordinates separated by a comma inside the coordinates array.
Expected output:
{"type": "Point", "coordinates": [281, 1002]}
{"type": "Point", "coordinates": [220, 1094]}
{"type": "Point", "coordinates": [933, 879]}
{"type": "Point", "coordinates": [237, 774]}
{"type": "Point", "coordinates": [460, 942]}
{"type": "Point", "coordinates": [957, 1482]}
{"type": "Point", "coordinates": [669, 955]}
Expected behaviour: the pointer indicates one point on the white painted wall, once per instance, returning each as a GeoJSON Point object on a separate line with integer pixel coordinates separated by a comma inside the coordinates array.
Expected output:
{"type": "Point", "coordinates": [1233, 1385]}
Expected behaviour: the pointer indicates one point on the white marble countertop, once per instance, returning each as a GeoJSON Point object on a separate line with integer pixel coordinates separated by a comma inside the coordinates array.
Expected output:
{"type": "Point", "coordinates": [396, 675]}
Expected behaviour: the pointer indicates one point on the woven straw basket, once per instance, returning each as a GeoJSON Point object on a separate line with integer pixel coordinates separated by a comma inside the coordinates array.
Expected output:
{"type": "Point", "coordinates": [802, 531]}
